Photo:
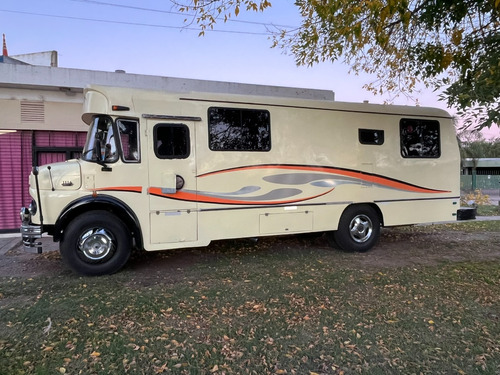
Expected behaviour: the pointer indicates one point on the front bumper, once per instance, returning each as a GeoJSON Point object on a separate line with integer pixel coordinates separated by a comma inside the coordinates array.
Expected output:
{"type": "Point", "coordinates": [30, 233]}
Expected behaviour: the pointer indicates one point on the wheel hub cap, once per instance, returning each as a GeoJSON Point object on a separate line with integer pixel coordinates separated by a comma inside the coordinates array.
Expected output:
{"type": "Point", "coordinates": [361, 228]}
{"type": "Point", "coordinates": [96, 244]}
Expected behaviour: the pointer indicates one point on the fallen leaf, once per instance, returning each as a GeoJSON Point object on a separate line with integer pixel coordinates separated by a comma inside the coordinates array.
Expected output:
{"type": "Point", "coordinates": [95, 354]}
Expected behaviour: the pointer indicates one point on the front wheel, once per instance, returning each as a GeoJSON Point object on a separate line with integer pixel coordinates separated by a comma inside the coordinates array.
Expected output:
{"type": "Point", "coordinates": [96, 243]}
{"type": "Point", "coordinates": [358, 230]}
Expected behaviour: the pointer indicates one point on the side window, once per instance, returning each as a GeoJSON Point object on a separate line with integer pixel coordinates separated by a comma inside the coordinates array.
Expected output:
{"type": "Point", "coordinates": [234, 129]}
{"type": "Point", "coordinates": [171, 141]}
{"type": "Point", "coordinates": [129, 139]}
{"type": "Point", "coordinates": [371, 137]}
{"type": "Point", "coordinates": [420, 138]}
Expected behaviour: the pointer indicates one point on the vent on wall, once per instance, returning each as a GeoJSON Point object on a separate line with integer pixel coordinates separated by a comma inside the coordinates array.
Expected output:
{"type": "Point", "coordinates": [32, 111]}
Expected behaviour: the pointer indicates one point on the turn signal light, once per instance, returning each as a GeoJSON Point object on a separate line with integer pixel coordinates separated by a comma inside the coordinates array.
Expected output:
{"type": "Point", "coordinates": [120, 108]}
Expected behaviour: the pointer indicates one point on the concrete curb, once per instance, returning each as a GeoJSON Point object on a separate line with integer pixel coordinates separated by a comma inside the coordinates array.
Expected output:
{"type": "Point", "coordinates": [9, 243]}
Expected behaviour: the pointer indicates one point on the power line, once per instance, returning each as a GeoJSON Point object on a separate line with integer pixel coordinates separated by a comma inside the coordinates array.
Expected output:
{"type": "Point", "coordinates": [179, 13]}
{"type": "Point", "coordinates": [133, 23]}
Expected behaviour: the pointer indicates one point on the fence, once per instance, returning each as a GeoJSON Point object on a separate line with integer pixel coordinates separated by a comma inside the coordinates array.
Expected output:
{"type": "Point", "coordinates": [483, 182]}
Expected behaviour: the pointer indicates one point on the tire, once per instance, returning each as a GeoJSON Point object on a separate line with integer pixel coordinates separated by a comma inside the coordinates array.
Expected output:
{"type": "Point", "coordinates": [96, 243]}
{"type": "Point", "coordinates": [358, 229]}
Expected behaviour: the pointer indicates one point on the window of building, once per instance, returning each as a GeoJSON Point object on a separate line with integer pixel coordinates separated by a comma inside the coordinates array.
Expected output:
{"type": "Point", "coordinates": [171, 141]}
{"type": "Point", "coordinates": [420, 138]}
{"type": "Point", "coordinates": [371, 137]}
{"type": "Point", "coordinates": [234, 129]}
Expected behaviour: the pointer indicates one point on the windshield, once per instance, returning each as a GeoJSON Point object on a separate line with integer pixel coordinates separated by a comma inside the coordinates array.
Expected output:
{"type": "Point", "coordinates": [101, 143]}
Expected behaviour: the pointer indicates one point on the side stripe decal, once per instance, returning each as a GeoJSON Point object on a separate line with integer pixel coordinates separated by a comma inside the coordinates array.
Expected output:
{"type": "Point", "coordinates": [193, 196]}
{"type": "Point", "coordinates": [362, 176]}
{"type": "Point", "coordinates": [326, 178]}
{"type": "Point", "coordinates": [289, 178]}
{"type": "Point", "coordinates": [130, 189]}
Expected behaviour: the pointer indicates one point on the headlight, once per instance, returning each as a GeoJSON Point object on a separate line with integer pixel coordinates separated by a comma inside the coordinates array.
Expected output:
{"type": "Point", "coordinates": [32, 208]}
{"type": "Point", "coordinates": [25, 215]}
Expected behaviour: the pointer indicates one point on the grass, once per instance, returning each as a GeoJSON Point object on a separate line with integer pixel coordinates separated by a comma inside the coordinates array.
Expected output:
{"type": "Point", "coordinates": [488, 210]}
{"type": "Point", "coordinates": [259, 312]}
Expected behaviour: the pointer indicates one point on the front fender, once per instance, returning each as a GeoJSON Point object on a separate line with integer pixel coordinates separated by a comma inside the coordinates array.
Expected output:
{"type": "Point", "coordinates": [100, 202]}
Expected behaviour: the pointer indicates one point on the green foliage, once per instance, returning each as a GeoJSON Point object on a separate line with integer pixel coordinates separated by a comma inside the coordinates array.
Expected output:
{"type": "Point", "coordinates": [447, 44]}
{"type": "Point", "coordinates": [474, 146]}
{"type": "Point", "coordinates": [206, 13]}
{"type": "Point", "coordinates": [450, 45]}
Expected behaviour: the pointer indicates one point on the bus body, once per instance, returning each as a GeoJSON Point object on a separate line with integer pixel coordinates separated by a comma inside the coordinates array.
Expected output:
{"type": "Point", "coordinates": [165, 171]}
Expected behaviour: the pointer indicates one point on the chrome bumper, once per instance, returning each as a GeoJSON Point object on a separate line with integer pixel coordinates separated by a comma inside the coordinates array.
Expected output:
{"type": "Point", "coordinates": [30, 233]}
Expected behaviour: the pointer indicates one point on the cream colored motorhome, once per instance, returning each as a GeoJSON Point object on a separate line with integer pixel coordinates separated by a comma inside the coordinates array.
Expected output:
{"type": "Point", "coordinates": [165, 171]}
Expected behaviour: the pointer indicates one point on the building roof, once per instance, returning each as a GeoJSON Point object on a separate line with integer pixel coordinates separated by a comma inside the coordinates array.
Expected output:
{"type": "Point", "coordinates": [482, 163]}
{"type": "Point", "coordinates": [75, 80]}
{"type": "Point", "coordinates": [9, 60]}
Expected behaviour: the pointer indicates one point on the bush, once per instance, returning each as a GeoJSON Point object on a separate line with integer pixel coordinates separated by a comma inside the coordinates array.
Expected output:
{"type": "Point", "coordinates": [475, 198]}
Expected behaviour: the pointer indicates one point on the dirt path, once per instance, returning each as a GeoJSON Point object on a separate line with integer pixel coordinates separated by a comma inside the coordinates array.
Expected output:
{"type": "Point", "coordinates": [399, 247]}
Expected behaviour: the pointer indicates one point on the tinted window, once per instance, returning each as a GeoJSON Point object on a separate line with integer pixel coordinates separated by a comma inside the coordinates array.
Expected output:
{"type": "Point", "coordinates": [171, 141]}
{"type": "Point", "coordinates": [420, 138]}
{"type": "Point", "coordinates": [233, 129]}
{"type": "Point", "coordinates": [129, 130]}
{"type": "Point", "coordinates": [371, 136]}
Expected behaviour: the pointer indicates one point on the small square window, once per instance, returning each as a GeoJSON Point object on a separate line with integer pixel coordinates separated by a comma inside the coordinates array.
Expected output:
{"type": "Point", "coordinates": [371, 137]}
{"type": "Point", "coordinates": [171, 141]}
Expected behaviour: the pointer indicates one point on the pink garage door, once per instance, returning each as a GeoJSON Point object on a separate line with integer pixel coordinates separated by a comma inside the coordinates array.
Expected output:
{"type": "Point", "coordinates": [18, 152]}
{"type": "Point", "coordinates": [15, 166]}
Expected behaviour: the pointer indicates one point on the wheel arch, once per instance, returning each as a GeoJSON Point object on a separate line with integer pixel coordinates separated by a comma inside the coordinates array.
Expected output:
{"type": "Point", "coordinates": [358, 229]}
{"type": "Point", "coordinates": [369, 204]}
{"type": "Point", "coordinates": [101, 202]}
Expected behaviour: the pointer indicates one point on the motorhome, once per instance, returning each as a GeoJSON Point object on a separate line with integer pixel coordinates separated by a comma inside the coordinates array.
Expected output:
{"type": "Point", "coordinates": [166, 171]}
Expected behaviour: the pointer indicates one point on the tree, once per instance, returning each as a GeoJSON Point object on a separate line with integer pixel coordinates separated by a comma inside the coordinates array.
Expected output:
{"type": "Point", "coordinates": [473, 146]}
{"type": "Point", "coordinates": [450, 45]}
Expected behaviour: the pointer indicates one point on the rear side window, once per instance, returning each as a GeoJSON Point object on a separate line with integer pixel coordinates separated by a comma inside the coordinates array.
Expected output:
{"type": "Point", "coordinates": [420, 138]}
{"type": "Point", "coordinates": [171, 141]}
{"type": "Point", "coordinates": [371, 137]}
{"type": "Point", "coordinates": [235, 129]}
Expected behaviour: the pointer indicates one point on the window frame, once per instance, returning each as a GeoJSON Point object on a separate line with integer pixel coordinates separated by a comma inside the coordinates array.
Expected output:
{"type": "Point", "coordinates": [362, 133]}
{"type": "Point", "coordinates": [404, 122]}
{"type": "Point", "coordinates": [172, 126]}
{"type": "Point", "coordinates": [122, 151]}
{"type": "Point", "coordinates": [241, 112]}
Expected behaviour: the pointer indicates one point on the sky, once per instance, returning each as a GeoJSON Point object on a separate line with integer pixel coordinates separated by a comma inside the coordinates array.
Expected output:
{"type": "Point", "coordinates": [150, 37]}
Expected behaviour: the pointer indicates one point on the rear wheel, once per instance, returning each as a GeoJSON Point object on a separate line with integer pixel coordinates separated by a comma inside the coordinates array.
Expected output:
{"type": "Point", "coordinates": [96, 243]}
{"type": "Point", "coordinates": [358, 230]}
